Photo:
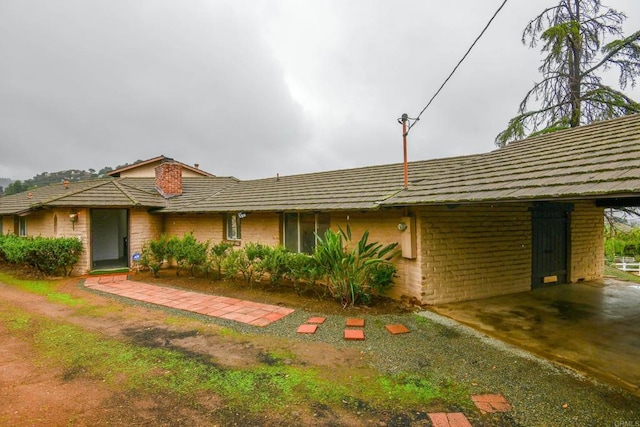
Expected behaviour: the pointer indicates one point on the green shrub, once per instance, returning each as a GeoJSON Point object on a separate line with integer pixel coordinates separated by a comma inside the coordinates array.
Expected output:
{"type": "Point", "coordinates": [217, 255]}
{"type": "Point", "coordinates": [622, 244]}
{"type": "Point", "coordinates": [13, 249]}
{"type": "Point", "coordinates": [354, 275]}
{"type": "Point", "coordinates": [235, 263]}
{"type": "Point", "coordinates": [303, 269]}
{"type": "Point", "coordinates": [154, 254]}
{"type": "Point", "coordinates": [187, 252]}
{"type": "Point", "coordinates": [274, 263]}
{"type": "Point", "coordinates": [47, 254]}
{"type": "Point", "coordinates": [53, 255]}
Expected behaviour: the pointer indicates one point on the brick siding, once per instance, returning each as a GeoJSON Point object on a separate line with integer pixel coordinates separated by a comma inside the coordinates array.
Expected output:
{"type": "Point", "coordinates": [587, 242]}
{"type": "Point", "coordinates": [475, 251]}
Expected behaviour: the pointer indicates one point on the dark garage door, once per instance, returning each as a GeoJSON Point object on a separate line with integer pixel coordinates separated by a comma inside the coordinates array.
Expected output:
{"type": "Point", "coordinates": [550, 226]}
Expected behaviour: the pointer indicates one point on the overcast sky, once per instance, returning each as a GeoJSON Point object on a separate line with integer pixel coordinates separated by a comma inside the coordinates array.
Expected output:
{"type": "Point", "coordinates": [255, 88]}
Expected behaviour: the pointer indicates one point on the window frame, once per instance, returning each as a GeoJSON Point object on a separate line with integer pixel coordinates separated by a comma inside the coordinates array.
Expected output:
{"type": "Point", "coordinates": [22, 226]}
{"type": "Point", "coordinates": [319, 227]}
{"type": "Point", "coordinates": [233, 222]}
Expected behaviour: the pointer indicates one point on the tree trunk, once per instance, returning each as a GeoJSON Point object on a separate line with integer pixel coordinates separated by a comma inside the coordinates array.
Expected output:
{"type": "Point", "coordinates": [575, 50]}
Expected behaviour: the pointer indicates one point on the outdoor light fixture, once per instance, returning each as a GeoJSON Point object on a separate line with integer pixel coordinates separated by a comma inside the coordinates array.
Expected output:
{"type": "Point", "coordinates": [402, 226]}
{"type": "Point", "coordinates": [73, 217]}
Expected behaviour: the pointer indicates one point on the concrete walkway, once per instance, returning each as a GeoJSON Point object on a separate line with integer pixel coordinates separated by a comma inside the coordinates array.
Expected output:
{"type": "Point", "coordinates": [592, 326]}
{"type": "Point", "coordinates": [252, 313]}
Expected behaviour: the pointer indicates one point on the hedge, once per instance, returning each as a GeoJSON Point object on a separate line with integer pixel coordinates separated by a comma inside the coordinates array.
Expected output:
{"type": "Point", "coordinates": [48, 255]}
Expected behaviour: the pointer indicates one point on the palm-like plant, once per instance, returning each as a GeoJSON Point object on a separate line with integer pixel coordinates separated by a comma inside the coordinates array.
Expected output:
{"type": "Point", "coordinates": [354, 275]}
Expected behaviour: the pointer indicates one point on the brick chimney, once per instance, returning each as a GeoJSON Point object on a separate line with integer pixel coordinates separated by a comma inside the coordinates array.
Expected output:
{"type": "Point", "coordinates": [169, 179]}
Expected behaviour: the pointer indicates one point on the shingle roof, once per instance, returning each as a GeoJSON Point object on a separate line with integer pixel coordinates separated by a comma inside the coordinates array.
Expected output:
{"type": "Point", "coordinates": [158, 160]}
{"type": "Point", "coordinates": [592, 161]}
{"type": "Point", "coordinates": [345, 189]}
{"type": "Point", "coordinates": [105, 192]}
{"type": "Point", "coordinates": [601, 159]}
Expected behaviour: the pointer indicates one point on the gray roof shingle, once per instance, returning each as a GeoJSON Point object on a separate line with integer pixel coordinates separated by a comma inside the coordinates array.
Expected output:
{"type": "Point", "coordinates": [592, 161]}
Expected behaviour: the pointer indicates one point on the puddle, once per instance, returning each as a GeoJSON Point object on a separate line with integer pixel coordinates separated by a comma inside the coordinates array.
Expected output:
{"type": "Point", "coordinates": [568, 310]}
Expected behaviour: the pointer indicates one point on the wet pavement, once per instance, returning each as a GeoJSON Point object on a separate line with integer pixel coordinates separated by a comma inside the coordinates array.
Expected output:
{"type": "Point", "coordinates": [593, 327]}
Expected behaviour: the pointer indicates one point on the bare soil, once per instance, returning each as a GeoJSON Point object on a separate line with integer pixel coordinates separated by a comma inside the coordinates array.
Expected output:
{"type": "Point", "coordinates": [36, 393]}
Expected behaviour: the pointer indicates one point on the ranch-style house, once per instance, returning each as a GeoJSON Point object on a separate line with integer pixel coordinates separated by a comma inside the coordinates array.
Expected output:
{"type": "Point", "coordinates": [516, 218]}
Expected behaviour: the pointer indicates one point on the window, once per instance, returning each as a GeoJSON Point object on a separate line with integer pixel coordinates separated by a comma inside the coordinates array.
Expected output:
{"type": "Point", "coordinates": [300, 230]}
{"type": "Point", "coordinates": [233, 226]}
{"type": "Point", "coordinates": [22, 226]}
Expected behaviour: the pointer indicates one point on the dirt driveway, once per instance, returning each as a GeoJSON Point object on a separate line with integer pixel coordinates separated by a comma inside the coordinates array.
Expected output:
{"type": "Point", "coordinates": [592, 326]}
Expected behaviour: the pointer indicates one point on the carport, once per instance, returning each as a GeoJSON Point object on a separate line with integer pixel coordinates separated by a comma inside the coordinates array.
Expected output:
{"type": "Point", "coordinates": [593, 327]}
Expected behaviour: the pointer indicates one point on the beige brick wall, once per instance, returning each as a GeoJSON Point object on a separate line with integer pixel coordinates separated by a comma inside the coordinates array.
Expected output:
{"type": "Point", "coordinates": [204, 226]}
{"type": "Point", "coordinates": [65, 228]}
{"type": "Point", "coordinates": [477, 251]}
{"type": "Point", "coordinates": [255, 227]}
{"type": "Point", "coordinates": [6, 224]}
{"type": "Point", "coordinates": [261, 228]}
{"type": "Point", "coordinates": [587, 242]}
{"type": "Point", "coordinates": [143, 227]}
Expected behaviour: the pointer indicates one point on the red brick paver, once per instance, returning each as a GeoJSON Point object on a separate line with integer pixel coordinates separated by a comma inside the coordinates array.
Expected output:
{"type": "Point", "coordinates": [249, 312]}
{"type": "Point", "coordinates": [355, 322]}
{"type": "Point", "coordinates": [317, 320]}
{"type": "Point", "coordinates": [488, 403]}
{"type": "Point", "coordinates": [397, 329]}
{"type": "Point", "coordinates": [453, 419]}
{"type": "Point", "coordinates": [307, 329]}
{"type": "Point", "coordinates": [354, 334]}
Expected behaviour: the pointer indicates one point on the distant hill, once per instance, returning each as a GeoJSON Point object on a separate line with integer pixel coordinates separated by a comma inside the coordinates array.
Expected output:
{"type": "Point", "coordinates": [45, 178]}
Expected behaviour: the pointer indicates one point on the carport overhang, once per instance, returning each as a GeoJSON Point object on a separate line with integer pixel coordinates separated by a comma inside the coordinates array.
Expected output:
{"type": "Point", "coordinates": [618, 202]}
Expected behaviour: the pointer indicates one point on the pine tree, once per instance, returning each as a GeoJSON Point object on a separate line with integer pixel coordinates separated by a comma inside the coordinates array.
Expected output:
{"type": "Point", "coordinates": [572, 91]}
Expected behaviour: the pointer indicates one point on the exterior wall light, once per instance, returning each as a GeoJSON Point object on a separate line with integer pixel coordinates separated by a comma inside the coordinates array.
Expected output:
{"type": "Point", "coordinates": [402, 226]}
{"type": "Point", "coordinates": [73, 217]}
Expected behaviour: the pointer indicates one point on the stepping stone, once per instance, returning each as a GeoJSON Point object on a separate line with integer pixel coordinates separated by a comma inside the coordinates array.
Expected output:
{"type": "Point", "coordinates": [307, 329]}
{"type": "Point", "coordinates": [489, 403]}
{"type": "Point", "coordinates": [355, 322]}
{"type": "Point", "coordinates": [397, 328]}
{"type": "Point", "coordinates": [317, 320]}
{"type": "Point", "coordinates": [453, 419]}
{"type": "Point", "coordinates": [354, 334]}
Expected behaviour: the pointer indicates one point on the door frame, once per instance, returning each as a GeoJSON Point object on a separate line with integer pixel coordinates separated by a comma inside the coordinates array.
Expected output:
{"type": "Point", "coordinates": [94, 233]}
{"type": "Point", "coordinates": [555, 218]}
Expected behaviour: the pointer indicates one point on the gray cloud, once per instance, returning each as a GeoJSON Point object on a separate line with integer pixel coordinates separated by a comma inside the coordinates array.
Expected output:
{"type": "Point", "coordinates": [254, 88]}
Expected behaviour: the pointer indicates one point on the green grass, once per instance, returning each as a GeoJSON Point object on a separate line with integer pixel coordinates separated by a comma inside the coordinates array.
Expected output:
{"type": "Point", "coordinates": [41, 287]}
{"type": "Point", "coordinates": [259, 388]}
{"type": "Point", "coordinates": [619, 274]}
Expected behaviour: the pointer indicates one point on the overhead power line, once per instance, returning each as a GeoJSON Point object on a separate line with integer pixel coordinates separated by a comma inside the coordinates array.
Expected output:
{"type": "Point", "coordinates": [411, 121]}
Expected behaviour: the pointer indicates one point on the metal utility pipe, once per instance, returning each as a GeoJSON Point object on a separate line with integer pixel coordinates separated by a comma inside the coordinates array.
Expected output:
{"type": "Point", "coordinates": [404, 119]}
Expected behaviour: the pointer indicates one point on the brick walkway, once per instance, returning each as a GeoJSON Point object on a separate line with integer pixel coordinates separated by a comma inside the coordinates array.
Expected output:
{"type": "Point", "coordinates": [252, 313]}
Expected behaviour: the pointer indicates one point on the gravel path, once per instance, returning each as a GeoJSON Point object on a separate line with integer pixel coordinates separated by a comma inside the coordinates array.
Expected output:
{"type": "Point", "coordinates": [541, 393]}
